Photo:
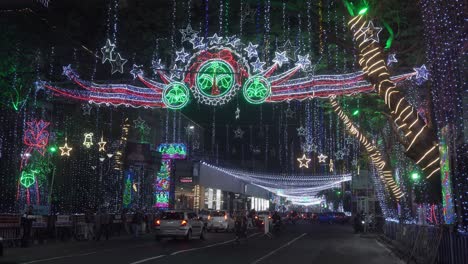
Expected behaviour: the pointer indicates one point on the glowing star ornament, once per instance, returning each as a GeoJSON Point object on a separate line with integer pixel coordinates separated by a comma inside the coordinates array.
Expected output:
{"type": "Point", "coordinates": [258, 65]}
{"type": "Point", "coordinates": [197, 41]}
{"type": "Point", "coordinates": [280, 58]}
{"type": "Point", "coordinates": [136, 70]}
{"type": "Point", "coordinates": [175, 72]}
{"type": "Point", "coordinates": [107, 51]}
{"type": "Point", "coordinates": [86, 108]}
{"type": "Point", "coordinates": [118, 64]}
{"type": "Point", "coordinates": [102, 144]}
{"type": "Point", "coordinates": [322, 158]}
{"type": "Point", "coordinates": [239, 133]}
{"type": "Point", "coordinates": [88, 140]}
{"type": "Point", "coordinates": [139, 123]}
{"type": "Point", "coordinates": [371, 33]}
{"type": "Point", "coordinates": [303, 61]}
{"type": "Point", "coordinates": [67, 70]}
{"type": "Point", "coordinates": [214, 40]}
{"type": "Point", "coordinates": [289, 113]}
{"type": "Point", "coordinates": [304, 161]}
{"type": "Point", "coordinates": [65, 150]}
{"type": "Point", "coordinates": [232, 41]}
{"type": "Point", "coordinates": [181, 55]}
{"type": "Point", "coordinates": [251, 50]}
{"type": "Point", "coordinates": [156, 65]}
{"type": "Point", "coordinates": [187, 33]}
{"type": "Point", "coordinates": [288, 46]}
{"type": "Point", "coordinates": [391, 59]}
{"type": "Point", "coordinates": [422, 73]}
{"type": "Point", "coordinates": [339, 155]}
{"type": "Point", "coordinates": [301, 131]}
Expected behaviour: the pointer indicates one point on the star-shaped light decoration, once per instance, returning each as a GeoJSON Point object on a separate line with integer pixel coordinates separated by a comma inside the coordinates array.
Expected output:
{"type": "Point", "coordinates": [339, 155]}
{"type": "Point", "coordinates": [181, 55]}
{"type": "Point", "coordinates": [86, 108]}
{"type": "Point", "coordinates": [304, 161]}
{"type": "Point", "coordinates": [118, 64]}
{"type": "Point", "coordinates": [102, 144]}
{"type": "Point", "coordinates": [280, 58]}
{"type": "Point", "coordinates": [88, 140]}
{"type": "Point", "coordinates": [308, 148]}
{"type": "Point", "coordinates": [136, 70]}
{"type": "Point", "coordinates": [195, 145]}
{"type": "Point", "coordinates": [214, 40]}
{"type": "Point", "coordinates": [157, 65]}
{"type": "Point", "coordinates": [303, 61]}
{"type": "Point", "coordinates": [187, 33]}
{"type": "Point", "coordinates": [349, 141]}
{"type": "Point", "coordinates": [288, 46]}
{"type": "Point", "coordinates": [371, 33]}
{"type": "Point", "coordinates": [391, 59]}
{"type": "Point", "coordinates": [301, 131]}
{"type": "Point", "coordinates": [258, 65]}
{"type": "Point", "coordinates": [197, 41]}
{"type": "Point", "coordinates": [67, 70]}
{"type": "Point", "coordinates": [139, 123]}
{"type": "Point", "coordinates": [232, 41]}
{"type": "Point", "coordinates": [354, 163]}
{"type": "Point", "coordinates": [65, 150]}
{"type": "Point", "coordinates": [237, 113]}
{"type": "Point", "coordinates": [289, 113]}
{"type": "Point", "coordinates": [331, 165]}
{"type": "Point", "coordinates": [322, 158]}
{"type": "Point", "coordinates": [239, 133]}
{"type": "Point", "coordinates": [107, 51]}
{"type": "Point", "coordinates": [176, 72]}
{"type": "Point", "coordinates": [251, 50]}
{"type": "Point", "coordinates": [422, 73]}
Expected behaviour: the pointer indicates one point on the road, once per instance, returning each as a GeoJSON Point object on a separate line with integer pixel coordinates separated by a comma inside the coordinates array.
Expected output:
{"type": "Point", "coordinates": [302, 243]}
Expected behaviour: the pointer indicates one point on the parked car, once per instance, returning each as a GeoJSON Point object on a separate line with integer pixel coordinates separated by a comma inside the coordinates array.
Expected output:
{"type": "Point", "coordinates": [179, 224]}
{"type": "Point", "coordinates": [333, 218]}
{"type": "Point", "coordinates": [220, 220]}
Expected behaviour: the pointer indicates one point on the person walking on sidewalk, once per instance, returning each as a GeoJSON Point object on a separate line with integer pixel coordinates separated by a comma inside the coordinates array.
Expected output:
{"type": "Point", "coordinates": [104, 229]}
{"type": "Point", "coordinates": [89, 224]}
{"type": "Point", "coordinates": [26, 224]}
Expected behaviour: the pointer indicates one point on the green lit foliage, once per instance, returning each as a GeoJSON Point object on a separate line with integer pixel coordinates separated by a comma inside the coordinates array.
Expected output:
{"type": "Point", "coordinates": [127, 196]}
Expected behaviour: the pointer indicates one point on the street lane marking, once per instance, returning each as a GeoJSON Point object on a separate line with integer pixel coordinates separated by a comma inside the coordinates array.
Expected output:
{"type": "Point", "coordinates": [60, 257]}
{"type": "Point", "coordinates": [278, 249]}
{"type": "Point", "coordinates": [147, 259]}
{"type": "Point", "coordinates": [192, 249]}
{"type": "Point", "coordinates": [212, 245]}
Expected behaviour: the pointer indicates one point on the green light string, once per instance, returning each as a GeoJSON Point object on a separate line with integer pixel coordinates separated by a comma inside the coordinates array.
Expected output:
{"type": "Point", "coordinates": [390, 39]}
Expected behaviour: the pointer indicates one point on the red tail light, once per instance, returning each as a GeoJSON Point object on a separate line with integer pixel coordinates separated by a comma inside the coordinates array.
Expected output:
{"type": "Point", "coordinates": [183, 223]}
{"type": "Point", "coordinates": [157, 222]}
{"type": "Point", "coordinates": [256, 217]}
{"type": "Point", "coordinates": [225, 217]}
{"type": "Point", "coordinates": [209, 217]}
{"type": "Point", "coordinates": [269, 217]}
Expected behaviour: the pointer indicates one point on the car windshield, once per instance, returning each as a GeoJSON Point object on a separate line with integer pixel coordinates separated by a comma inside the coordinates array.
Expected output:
{"type": "Point", "coordinates": [263, 213]}
{"type": "Point", "coordinates": [172, 216]}
{"type": "Point", "coordinates": [219, 213]}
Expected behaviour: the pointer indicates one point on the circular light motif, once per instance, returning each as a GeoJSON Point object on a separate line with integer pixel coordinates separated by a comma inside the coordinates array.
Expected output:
{"type": "Point", "coordinates": [215, 82]}
{"type": "Point", "coordinates": [256, 90]}
{"type": "Point", "coordinates": [175, 95]}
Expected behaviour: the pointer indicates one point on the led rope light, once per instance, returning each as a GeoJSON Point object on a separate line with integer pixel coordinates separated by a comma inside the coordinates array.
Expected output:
{"type": "Point", "coordinates": [374, 153]}
{"type": "Point", "coordinates": [377, 71]}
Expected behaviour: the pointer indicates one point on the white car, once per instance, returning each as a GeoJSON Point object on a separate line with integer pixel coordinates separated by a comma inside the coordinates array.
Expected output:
{"type": "Point", "coordinates": [179, 224]}
{"type": "Point", "coordinates": [220, 220]}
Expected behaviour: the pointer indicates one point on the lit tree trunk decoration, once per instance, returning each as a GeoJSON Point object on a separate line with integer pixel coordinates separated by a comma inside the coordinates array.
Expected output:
{"type": "Point", "coordinates": [421, 144]}
{"type": "Point", "coordinates": [383, 167]}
